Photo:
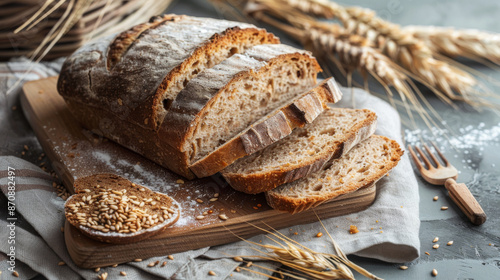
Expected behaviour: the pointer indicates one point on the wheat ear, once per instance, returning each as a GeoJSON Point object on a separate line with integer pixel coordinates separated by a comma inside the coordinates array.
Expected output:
{"type": "Point", "coordinates": [473, 44]}
{"type": "Point", "coordinates": [408, 51]}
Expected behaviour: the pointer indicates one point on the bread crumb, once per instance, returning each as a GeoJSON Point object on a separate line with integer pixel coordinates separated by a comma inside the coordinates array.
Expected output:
{"type": "Point", "coordinates": [353, 229]}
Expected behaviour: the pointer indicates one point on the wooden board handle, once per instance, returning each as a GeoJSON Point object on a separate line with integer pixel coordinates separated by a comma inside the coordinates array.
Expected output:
{"type": "Point", "coordinates": [461, 195]}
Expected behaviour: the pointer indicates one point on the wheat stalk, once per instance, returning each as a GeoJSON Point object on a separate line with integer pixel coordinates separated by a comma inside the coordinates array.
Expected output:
{"type": "Point", "coordinates": [473, 44]}
{"type": "Point", "coordinates": [304, 260]}
{"type": "Point", "coordinates": [411, 53]}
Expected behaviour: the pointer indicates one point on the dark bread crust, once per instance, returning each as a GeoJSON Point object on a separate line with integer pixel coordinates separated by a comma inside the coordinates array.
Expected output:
{"type": "Point", "coordinates": [115, 182]}
{"type": "Point", "coordinates": [128, 74]}
{"type": "Point", "coordinates": [298, 204]}
{"type": "Point", "coordinates": [264, 181]}
{"type": "Point", "coordinates": [272, 128]}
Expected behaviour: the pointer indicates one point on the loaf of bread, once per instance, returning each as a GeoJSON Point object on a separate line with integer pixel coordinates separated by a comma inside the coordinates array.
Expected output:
{"type": "Point", "coordinates": [236, 91]}
{"type": "Point", "coordinates": [111, 209]}
{"type": "Point", "coordinates": [305, 151]}
{"type": "Point", "coordinates": [137, 74]}
{"type": "Point", "coordinates": [363, 166]}
{"type": "Point", "coordinates": [276, 125]}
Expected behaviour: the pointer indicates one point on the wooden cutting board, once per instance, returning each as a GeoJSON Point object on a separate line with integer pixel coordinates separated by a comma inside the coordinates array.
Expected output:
{"type": "Point", "coordinates": [75, 152]}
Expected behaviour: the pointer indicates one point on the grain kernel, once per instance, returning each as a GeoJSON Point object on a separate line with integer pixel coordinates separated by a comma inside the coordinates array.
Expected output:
{"type": "Point", "coordinates": [436, 239]}
{"type": "Point", "coordinates": [449, 243]}
{"type": "Point", "coordinates": [444, 208]}
{"type": "Point", "coordinates": [180, 181]}
{"type": "Point", "coordinates": [97, 269]}
{"type": "Point", "coordinates": [403, 267]}
{"type": "Point", "coordinates": [163, 264]}
{"type": "Point", "coordinates": [15, 274]}
{"type": "Point", "coordinates": [216, 195]}
{"type": "Point", "coordinates": [213, 199]}
{"type": "Point", "coordinates": [238, 259]}
{"type": "Point", "coordinates": [123, 273]}
{"type": "Point", "coordinates": [434, 272]}
{"type": "Point", "coordinates": [427, 253]}
{"type": "Point", "coordinates": [435, 198]}
{"type": "Point", "coordinates": [151, 264]}
{"type": "Point", "coordinates": [199, 200]}
{"type": "Point", "coordinates": [435, 246]}
{"type": "Point", "coordinates": [211, 273]}
{"type": "Point", "coordinates": [115, 265]}
{"type": "Point", "coordinates": [138, 260]}
{"type": "Point", "coordinates": [223, 217]}
{"type": "Point", "coordinates": [319, 234]}
{"type": "Point", "coordinates": [170, 257]}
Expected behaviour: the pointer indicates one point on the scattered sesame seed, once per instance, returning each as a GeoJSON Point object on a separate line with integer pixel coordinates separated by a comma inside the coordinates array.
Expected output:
{"type": "Point", "coordinates": [199, 200]}
{"type": "Point", "coordinates": [216, 195]}
{"type": "Point", "coordinates": [434, 272]}
{"type": "Point", "coordinates": [403, 267]}
{"type": "Point", "coordinates": [427, 253]}
{"type": "Point", "coordinates": [449, 243]}
{"type": "Point", "coordinates": [138, 260]}
{"type": "Point", "coordinates": [238, 259]}
{"type": "Point", "coordinates": [123, 273]}
{"type": "Point", "coordinates": [15, 274]}
{"type": "Point", "coordinates": [97, 269]}
{"type": "Point", "coordinates": [444, 208]}
{"type": "Point", "coordinates": [211, 273]}
{"type": "Point", "coordinates": [223, 217]}
{"type": "Point", "coordinates": [436, 239]}
{"type": "Point", "coordinates": [151, 264]}
{"type": "Point", "coordinates": [170, 257]}
{"type": "Point", "coordinates": [115, 265]}
{"type": "Point", "coordinates": [163, 264]}
{"type": "Point", "coordinates": [213, 199]}
{"type": "Point", "coordinates": [435, 198]}
{"type": "Point", "coordinates": [435, 246]}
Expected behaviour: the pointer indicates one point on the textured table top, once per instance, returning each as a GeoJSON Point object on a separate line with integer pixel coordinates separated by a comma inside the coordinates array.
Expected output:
{"type": "Point", "coordinates": [476, 155]}
{"type": "Point", "coordinates": [475, 135]}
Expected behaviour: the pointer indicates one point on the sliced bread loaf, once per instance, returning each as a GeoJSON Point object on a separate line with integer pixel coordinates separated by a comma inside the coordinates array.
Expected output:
{"type": "Point", "coordinates": [364, 165]}
{"type": "Point", "coordinates": [137, 74]}
{"type": "Point", "coordinates": [109, 208]}
{"type": "Point", "coordinates": [226, 99]}
{"type": "Point", "coordinates": [273, 127]}
{"type": "Point", "coordinates": [305, 151]}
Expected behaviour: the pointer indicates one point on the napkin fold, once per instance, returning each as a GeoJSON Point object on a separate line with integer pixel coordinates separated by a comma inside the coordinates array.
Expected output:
{"type": "Point", "coordinates": [388, 229]}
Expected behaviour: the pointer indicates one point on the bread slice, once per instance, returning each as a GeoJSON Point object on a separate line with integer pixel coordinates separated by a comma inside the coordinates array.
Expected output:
{"type": "Point", "coordinates": [107, 197]}
{"type": "Point", "coordinates": [226, 99]}
{"type": "Point", "coordinates": [273, 127]}
{"type": "Point", "coordinates": [138, 73]}
{"type": "Point", "coordinates": [363, 166]}
{"type": "Point", "coordinates": [305, 151]}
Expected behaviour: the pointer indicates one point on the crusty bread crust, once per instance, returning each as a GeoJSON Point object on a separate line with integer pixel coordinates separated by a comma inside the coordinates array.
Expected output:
{"type": "Point", "coordinates": [264, 181]}
{"type": "Point", "coordinates": [115, 182]}
{"type": "Point", "coordinates": [298, 204]}
{"type": "Point", "coordinates": [133, 73]}
{"type": "Point", "coordinates": [271, 128]}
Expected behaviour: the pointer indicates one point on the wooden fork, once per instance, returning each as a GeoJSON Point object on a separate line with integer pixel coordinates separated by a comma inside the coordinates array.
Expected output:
{"type": "Point", "coordinates": [446, 175]}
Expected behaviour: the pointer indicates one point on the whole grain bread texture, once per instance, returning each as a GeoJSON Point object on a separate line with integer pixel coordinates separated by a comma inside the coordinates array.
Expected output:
{"type": "Point", "coordinates": [276, 125]}
{"type": "Point", "coordinates": [135, 212]}
{"type": "Point", "coordinates": [216, 105]}
{"type": "Point", "coordinates": [305, 151]}
{"type": "Point", "coordinates": [363, 166]}
{"type": "Point", "coordinates": [136, 74]}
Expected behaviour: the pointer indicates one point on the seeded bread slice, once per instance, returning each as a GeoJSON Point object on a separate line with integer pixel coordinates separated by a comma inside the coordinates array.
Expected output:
{"type": "Point", "coordinates": [363, 166]}
{"type": "Point", "coordinates": [305, 151]}
{"type": "Point", "coordinates": [273, 127]}
{"type": "Point", "coordinates": [138, 73]}
{"type": "Point", "coordinates": [104, 197]}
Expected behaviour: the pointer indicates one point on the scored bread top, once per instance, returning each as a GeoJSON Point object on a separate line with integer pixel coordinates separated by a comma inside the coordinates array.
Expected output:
{"type": "Point", "coordinates": [138, 73]}
{"type": "Point", "coordinates": [364, 165]}
{"type": "Point", "coordinates": [305, 151]}
{"type": "Point", "coordinates": [109, 208]}
{"type": "Point", "coordinates": [271, 128]}
{"type": "Point", "coordinates": [226, 99]}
